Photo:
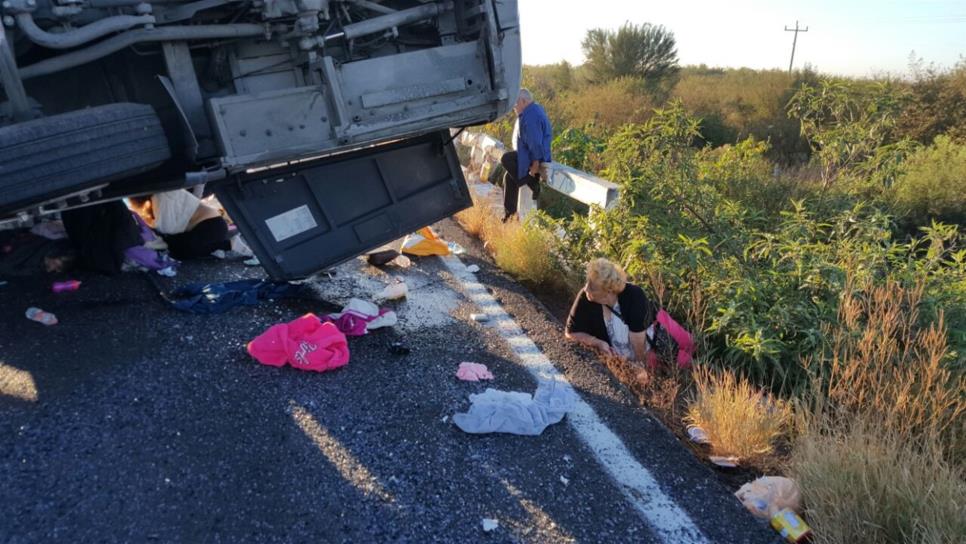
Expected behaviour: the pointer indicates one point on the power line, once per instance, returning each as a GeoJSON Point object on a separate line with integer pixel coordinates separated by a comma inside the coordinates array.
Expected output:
{"type": "Point", "coordinates": [796, 30]}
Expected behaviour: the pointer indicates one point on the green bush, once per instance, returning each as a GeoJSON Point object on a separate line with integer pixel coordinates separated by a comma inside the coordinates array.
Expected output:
{"type": "Point", "coordinates": [932, 185]}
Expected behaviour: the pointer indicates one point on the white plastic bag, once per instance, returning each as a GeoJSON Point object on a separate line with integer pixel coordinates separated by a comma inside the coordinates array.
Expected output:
{"type": "Point", "coordinates": [767, 495]}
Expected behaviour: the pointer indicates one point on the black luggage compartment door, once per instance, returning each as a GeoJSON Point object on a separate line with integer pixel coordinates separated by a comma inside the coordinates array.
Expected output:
{"type": "Point", "coordinates": [309, 216]}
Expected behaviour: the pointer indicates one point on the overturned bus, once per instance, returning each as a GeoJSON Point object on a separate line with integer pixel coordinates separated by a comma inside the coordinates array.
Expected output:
{"type": "Point", "coordinates": [323, 126]}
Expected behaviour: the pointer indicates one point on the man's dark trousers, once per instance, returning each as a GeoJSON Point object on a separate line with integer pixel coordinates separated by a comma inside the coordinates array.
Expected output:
{"type": "Point", "coordinates": [511, 185]}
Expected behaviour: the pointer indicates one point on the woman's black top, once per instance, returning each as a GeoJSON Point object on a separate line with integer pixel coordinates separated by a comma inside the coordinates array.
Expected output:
{"type": "Point", "coordinates": [588, 317]}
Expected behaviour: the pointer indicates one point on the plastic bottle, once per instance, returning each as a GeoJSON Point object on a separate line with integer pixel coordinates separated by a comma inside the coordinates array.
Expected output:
{"type": "Point", "coordinates": [791, 527]}
{"type": "Point", "coordinates": [63, 286]}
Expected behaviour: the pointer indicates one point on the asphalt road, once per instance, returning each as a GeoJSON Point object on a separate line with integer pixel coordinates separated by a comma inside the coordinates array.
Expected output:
{"type": "Point", "coordinates": [131, 422]}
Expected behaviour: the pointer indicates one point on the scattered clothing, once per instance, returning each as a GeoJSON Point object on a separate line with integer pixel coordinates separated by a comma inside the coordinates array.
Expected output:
{"type": "Point", "coordinates": [305, 343]}
{"type": "Point", "coordinates": [144, 259]}
{"type": "Point", "coordinates": [393, 291]}
{"type": "Point", "coordinates": [216, 298]}
{"type": "Point", "coordinates": [359, 317]}
{"type": "Point", "coordinates": [473, 372]}
{"type": "Point", "coordinates": [150, 254]}
{"type": "Point", "coordinates": [496, 411]}
{"type": "Point", "coordinates": [101, 234]}
{"type": "Point", "coordinates": [51, 230]}
{"type": "Point", "coordinates": [424, 243]}
{"type": "Point", "coordinates": [42, 317]}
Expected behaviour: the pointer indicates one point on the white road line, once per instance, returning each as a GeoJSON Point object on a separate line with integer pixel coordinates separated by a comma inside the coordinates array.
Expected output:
{"type": "Point", "coordinates": [662, 514]}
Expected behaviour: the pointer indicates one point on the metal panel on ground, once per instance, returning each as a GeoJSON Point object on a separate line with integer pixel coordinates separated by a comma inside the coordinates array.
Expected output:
{"type": "Point", "coordinates": [309, 216]}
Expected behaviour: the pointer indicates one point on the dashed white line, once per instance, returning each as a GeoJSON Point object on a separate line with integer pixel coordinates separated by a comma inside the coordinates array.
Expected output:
{"type": "Point", "coordinates": [669, 522]}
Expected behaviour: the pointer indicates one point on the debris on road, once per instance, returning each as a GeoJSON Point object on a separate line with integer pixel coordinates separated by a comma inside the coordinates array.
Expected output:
{"type": "Point", "coordinates": [64, 286]}
{"type": "Point", "coordinates": [766, 496]}
{"type": "Point", "coordinates": [473, 269]}
{"type": "Point", "coordinates": [359, 317]}
{"type": "Point", "coordinates": [495, 411]}
{"type": "Point", "coordinates": [252, 262]}
{"type": "Point", "coordinates": [723, 461]}
{"type": "Point", "coordinates": [305, 343]}
{"type": "Point", "coordinates": [216, 298]}
{"type": "Point", "coordinates": [564, 480]}
{"type": "Point", "coordinates": [473, 372]}
{"type": "Point", "coordinates": [382, 258]}
{"type": "Point", "coordinates": [490, 524]}
{"type": "Point", "coordinates": [455, 248]}
{"type": "Point", "coordinates": [40, 316]}
{"type": "Point", "coordinates": [792, 528]}
{"type": "Point", "coordinates": [424, 243]}
{"type": "Point", "coordinates": [480, 318]}
{"type": "Point", "coordinates": [393, 291]}
{"type": "Point", "coordinates": [698, 435]}
{"type": "Point", "coordinates": [398, 348]}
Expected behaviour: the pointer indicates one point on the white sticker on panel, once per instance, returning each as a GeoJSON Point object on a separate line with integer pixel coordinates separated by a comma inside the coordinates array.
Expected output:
{"type": "Point", "coordinates": [291, 223]}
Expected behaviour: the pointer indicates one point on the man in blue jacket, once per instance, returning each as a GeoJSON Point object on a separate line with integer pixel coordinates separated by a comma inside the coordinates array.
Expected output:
{"type": "Point", "coordinates": [531, 139]}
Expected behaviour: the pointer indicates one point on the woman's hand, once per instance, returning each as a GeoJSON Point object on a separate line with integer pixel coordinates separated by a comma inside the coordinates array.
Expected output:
{"type": "Point", "coordinates": [605, 347]}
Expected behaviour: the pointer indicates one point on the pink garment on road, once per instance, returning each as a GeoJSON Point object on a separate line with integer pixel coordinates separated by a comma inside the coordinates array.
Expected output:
{"type": "Point", "coordinates": [359, 316]}
{"type": "Point", "coordinates": [473, 372]}
{"type": "Point", "coordinates": [305, 343]}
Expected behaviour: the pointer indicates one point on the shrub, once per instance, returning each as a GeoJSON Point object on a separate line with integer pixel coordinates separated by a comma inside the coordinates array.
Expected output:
{"type": "Point", "coordinates": [526, 252]}
{"type": "Point", "coordinates": [740, 420]}
{"type": "Point", "coordinates": [932, 185]}
{"type": "Point", "coordinates": [884, 366]}
{"type": "Point", "coordinates": [864, 484]}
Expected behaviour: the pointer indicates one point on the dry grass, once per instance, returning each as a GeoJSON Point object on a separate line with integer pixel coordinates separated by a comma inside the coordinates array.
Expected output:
{"type": "Point", "coordinates": [867, 485]}
{"type": "Point", "coordinates": [881, 455]}
{"type": "Point", "coordinates": [740, 420]}
{"type": "Point", "coordinates": [522, 250]}
{"type": "Point", "coordinates": [477, 219]}
{"type": "Point", "coordinates": [884, 367]}
{"type": "Point", "coordinates": [526, 252]}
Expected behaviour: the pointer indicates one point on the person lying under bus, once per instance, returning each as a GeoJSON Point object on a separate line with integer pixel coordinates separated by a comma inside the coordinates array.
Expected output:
{"type": "Point", "coordinates": [191, 228]}
{"type": "Point", "coordinates": [609, 314]}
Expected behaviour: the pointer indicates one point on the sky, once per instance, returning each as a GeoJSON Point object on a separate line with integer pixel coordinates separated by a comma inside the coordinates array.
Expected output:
{"type": "Point", "coordinates": [848, 37]}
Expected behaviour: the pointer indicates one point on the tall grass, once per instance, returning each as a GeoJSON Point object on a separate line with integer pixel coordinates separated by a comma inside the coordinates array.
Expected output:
{"type": "Point", "coordinates": [865, 484]}
{"type": "Point", "coordinates": [524, 250]}
{"type": "Point", "coordinates": [885, 366]}
{"type": "Point", "coordinates": [739, 419]}
{"type": "Point", "coordinates": [881, 455]}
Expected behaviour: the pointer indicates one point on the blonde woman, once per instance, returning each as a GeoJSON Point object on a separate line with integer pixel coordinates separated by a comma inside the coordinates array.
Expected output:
{"type": "Point", "coordinates": [610, 314]}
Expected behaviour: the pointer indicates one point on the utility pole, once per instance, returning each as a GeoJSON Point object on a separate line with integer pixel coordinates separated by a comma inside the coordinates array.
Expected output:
{"type": "Point", "coordinates": [796, 30]}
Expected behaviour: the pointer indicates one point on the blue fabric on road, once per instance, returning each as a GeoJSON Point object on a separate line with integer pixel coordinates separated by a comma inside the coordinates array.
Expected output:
{"type": "Point", "coordinates": [216, 298]}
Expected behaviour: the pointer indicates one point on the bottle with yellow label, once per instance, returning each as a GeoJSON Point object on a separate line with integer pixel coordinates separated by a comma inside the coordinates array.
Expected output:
{"type": "Point", "coordinates": [790, 526]}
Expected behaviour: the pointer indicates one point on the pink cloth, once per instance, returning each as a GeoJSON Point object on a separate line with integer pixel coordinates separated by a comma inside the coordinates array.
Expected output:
{"type": "Point", "coordinates": [305, 343]}
{"type": "Point", "coordinates": [681, 337]}
{"type": "Point", "coordinates": [349, 323]}
{"type": "Point", "coordinates": [473, 372]}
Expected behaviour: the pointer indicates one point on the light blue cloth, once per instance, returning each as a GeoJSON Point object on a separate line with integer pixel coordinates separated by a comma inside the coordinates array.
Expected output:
{"type": "Point", "coordinates": [495, 411]}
